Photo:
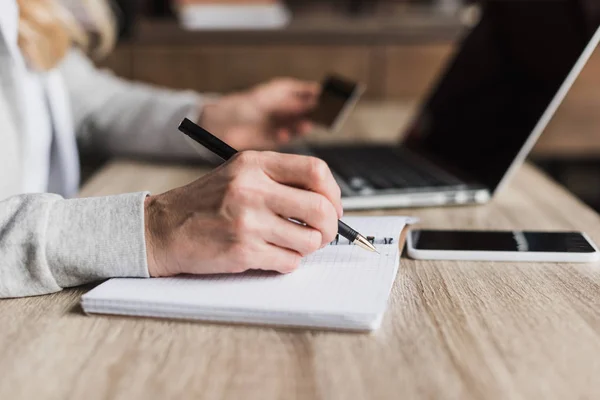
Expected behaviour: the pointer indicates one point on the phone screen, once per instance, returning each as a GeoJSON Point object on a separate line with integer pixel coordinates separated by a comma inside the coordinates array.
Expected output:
{"type": "Point", "coordinates": [518, 241]}
{"type": "Point", "coordinates": [335, 95]}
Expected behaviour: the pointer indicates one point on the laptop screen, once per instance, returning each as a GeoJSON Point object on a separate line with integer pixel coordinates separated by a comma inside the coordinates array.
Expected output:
{"type": "Point", "coordinates": [499, 84]}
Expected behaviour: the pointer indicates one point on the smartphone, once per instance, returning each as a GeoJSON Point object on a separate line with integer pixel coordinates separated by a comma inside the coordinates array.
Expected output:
{"type": "Point", "coordinates": [338, 98]}
{"type": "Point", "coordinates": [501, 246]}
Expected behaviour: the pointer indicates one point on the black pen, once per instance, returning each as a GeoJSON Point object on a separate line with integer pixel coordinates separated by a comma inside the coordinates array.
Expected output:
{"type": "Point", "coordinates": [223, 150]}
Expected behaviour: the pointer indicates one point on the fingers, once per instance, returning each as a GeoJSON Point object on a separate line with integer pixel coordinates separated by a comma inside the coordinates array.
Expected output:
{"type": "Point", "coordinates": [262, 255]}
{"type": "Point", "coordinates": [284, 136]}
{"type": "Point", "coordinates": [299, 87]}
{"type": "Point", "coordinates": [297, 98]}
{"type": "Point", "coordinates": [304, 127]}
{"type": "Point", "coordinates": [241, 222]}
{"type": "Point", "coordinates": [288, 103]}
{"type": "Point", "coordinates": [281, 232]}
{"type": "Point", "coordinates": [292, 108]}
{"type": "Point", "coordinates": [308, 91]}
{"type": "Point", "coordinates": [293, 128]}
{"type": "Point", "coordinates": [312, 208]}
{"type": "Point", "coordinates": [277, 259]}
{"type": "Point", "coordinates": [303, 172]}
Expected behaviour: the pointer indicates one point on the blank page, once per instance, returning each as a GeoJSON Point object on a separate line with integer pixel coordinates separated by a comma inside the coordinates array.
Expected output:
{"type": "Point", "coordinates": [340, 286]}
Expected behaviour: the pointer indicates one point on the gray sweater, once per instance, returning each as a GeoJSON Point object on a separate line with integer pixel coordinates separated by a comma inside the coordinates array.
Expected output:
{"type": "Point", "coordinates": [47, 242]}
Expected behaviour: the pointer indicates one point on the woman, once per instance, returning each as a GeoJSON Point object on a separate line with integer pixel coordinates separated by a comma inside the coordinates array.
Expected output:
{"type": "Point", "coordinates": [231, 220]}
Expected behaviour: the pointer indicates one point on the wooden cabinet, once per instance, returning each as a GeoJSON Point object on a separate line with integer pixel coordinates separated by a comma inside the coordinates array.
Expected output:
{"type": "Point", "coordinates": [390, 72]}
{"type": "Point", "coordinates": [395, 56]}
{"type": "Point", "coordinates": [229, 68]}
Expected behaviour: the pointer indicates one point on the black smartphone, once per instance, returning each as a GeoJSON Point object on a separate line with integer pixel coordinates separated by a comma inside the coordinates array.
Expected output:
{"type": "Point", "coordinates": [501, 246]}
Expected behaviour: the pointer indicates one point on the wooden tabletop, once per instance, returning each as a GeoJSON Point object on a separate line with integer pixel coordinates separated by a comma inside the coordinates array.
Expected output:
{"type": "Point", "coordinates": [455, 330]}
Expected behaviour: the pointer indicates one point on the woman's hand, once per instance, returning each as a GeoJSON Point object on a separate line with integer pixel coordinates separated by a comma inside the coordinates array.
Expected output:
{"type": "Point", "coordinates": [235, 218]}
{"type": "Point", "coordinates": [264, 117]}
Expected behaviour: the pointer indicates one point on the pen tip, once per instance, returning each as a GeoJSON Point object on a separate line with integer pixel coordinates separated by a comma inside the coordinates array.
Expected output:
{"type": "Point", "coordinates": [365, 244]}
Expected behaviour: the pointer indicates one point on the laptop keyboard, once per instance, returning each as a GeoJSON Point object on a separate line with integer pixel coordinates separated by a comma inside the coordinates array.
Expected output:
{"type": "Point", "coordinates": [369, 169]}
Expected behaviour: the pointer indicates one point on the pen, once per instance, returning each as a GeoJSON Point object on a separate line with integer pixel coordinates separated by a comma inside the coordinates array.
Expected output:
{"type": "Point", "coordinates": [223, 150]}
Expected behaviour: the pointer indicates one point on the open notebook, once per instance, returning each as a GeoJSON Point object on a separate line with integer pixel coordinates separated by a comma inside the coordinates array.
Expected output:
{"type": "Point", "coordinates": [340, 286]}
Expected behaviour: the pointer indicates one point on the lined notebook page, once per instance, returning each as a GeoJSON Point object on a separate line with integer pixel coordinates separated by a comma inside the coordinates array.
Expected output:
{"type": "Point", "coordinates": [340, 281]}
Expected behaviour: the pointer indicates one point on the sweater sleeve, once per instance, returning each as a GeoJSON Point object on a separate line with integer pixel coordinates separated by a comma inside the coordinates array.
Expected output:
{"type": "Point", "coordinates": [117, 117]}
{"type": "Point", "coordinates": [48, 243]}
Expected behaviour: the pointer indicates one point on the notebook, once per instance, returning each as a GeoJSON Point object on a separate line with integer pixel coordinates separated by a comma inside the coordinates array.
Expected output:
{"type": "Point", "coordinates": [338, 287]}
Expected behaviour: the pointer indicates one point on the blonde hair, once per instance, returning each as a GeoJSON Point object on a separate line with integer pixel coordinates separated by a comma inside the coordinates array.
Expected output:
{"type": "Point", "coordinates": [47, 30]}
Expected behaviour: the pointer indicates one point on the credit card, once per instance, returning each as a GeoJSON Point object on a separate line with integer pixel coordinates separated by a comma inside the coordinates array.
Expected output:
{"type": "Point", "coordinates": [338, 98]}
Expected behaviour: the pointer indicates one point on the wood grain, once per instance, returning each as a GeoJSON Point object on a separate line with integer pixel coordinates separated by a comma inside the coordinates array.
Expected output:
{"type": "Point", "coordinates": [456, 330]}
{"type": "Point", "coordinates": [453, 330]}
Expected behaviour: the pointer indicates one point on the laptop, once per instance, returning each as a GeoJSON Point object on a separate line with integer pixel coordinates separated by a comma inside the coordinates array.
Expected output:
{"type": "Point", "coordinates": [495, 97]}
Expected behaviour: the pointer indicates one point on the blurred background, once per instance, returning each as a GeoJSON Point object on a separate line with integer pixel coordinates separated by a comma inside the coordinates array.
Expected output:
{"type": "Point", "coordinates": [396, 47]}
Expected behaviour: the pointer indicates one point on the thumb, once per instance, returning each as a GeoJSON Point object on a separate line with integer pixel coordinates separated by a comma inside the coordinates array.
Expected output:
{"type": "Point", "coordinates": [294, 106]}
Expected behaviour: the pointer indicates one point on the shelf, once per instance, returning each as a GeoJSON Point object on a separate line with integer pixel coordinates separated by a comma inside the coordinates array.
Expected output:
{"type": "Point", "coordinates": [316, 25]}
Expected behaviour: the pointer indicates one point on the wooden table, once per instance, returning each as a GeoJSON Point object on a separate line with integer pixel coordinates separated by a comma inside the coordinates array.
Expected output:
{"type": "Point", "coordinates": [456, 330]}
